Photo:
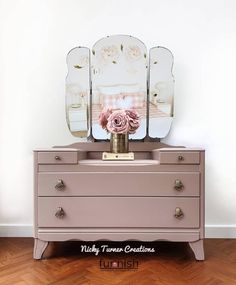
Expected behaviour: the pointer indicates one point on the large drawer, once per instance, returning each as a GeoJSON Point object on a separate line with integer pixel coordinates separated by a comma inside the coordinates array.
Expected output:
{"type": "Point", "coordinates": [57, 157]}
{"type": "Point", "coordinates": [119, 184]}
{"type": "Point", "coordinates": [117, 212]}
{"type": "Point", "coordinates": [179, 157]}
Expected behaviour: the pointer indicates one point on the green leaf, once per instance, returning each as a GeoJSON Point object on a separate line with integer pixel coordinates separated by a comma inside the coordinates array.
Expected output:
{"type": "Point", "coordinates": [155, 62]}
{"type": "Point", "coordinates": [145, 55]}
{"type": "Point", "coordinates": [121, 47]}
{"type": "Point", "coordinates": [114, 62]}
{"type": "Point", "coordinates": [78, 66]}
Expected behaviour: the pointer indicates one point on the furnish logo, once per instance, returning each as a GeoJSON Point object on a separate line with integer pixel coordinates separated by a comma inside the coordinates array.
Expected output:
{"type": "Point", "coordinates": [119, 264]}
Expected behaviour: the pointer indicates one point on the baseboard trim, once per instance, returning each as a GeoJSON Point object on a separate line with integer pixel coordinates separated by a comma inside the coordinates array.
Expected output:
{"type": "Point", "coordinates": [26, 230]}
{"type": "Point", "coordinates": [220, 231]}
{"type": "Point", "coordinates": [16, 230]}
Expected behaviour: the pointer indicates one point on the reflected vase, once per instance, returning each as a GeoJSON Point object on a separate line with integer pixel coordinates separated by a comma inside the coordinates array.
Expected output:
{"type": "Point", "coordinates": [119, 143]}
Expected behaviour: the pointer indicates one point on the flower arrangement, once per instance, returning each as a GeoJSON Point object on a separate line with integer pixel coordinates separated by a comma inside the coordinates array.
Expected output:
{"type": "Point", "coordinates": [119, 121]}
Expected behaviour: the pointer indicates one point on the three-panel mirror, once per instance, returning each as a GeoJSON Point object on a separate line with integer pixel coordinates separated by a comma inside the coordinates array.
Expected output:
{"type": "Point", "coordinates": [119, 74]}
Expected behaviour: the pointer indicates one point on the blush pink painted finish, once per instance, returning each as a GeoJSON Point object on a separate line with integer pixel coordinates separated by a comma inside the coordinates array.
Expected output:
{"type": "Point", "coordinates": [63, 157]}
{"type": "Point", "coordinates": [118, 212]}
{"type": "Point", "coordinates": [119, 184]}
{"type": "Point", "coordinates": [119, 200]}
{"type": "Point", "coordinates": [179, 157]}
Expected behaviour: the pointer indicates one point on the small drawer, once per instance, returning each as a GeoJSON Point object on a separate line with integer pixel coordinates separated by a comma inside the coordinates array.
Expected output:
{"type": "Point", "coordinates": [57, 157]}
{"type": "Point", "coordinates": [180, 157]}
{"type": "Point", "coordinates": [133, 212]}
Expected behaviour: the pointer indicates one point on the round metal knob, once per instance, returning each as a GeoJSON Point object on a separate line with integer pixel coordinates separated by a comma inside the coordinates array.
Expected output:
{"type": "Point", "coordinates": [178, 213]}
{"type": "Point", "coordinates": [180, 158]}
{"type": "Point", "coordinates": [178, 185]}
{"type": "Point", "coordinates": [60, 185]}
{"type": "Point", "coordinates": [57, 157]}
{"type": "Point", "coordinates": [60, 213]}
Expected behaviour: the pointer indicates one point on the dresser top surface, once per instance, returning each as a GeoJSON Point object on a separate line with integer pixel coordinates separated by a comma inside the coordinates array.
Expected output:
{"type": "Point", "coordinates": [133, 146]}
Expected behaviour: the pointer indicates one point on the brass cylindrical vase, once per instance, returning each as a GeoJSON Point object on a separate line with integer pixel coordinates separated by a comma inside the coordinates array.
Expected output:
{"type": "Point", "coordinates": [119, 143]}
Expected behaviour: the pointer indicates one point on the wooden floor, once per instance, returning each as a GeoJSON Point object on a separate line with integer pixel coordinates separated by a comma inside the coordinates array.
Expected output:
{"type": "Point", "coordinates": [173, 263]}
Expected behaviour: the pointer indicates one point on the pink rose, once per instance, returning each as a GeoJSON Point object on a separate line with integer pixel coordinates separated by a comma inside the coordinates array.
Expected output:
{"type": "Point", "coordinates": [133, 120]}
{"type": "Point", "coordinates": [103, 118]}
{"type": "Point", "coordinates": [118, 122]}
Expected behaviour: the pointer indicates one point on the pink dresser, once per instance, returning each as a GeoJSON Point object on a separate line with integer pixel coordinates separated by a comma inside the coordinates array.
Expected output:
{"type": "Point", "coordinates": [158, 196]}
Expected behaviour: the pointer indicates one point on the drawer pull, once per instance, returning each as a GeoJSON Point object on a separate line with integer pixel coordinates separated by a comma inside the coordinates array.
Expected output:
{"type": "Point", "coordinates": [178, 185]}
{"type": "Point", "coordinates": [178, 213]}
{"type": "Point", "coordinates": [60, 185]}
{"type": "Point", "coordinates": [60, 213]}
{"type": "Point", "coordinates": [180, 158]}
{"type": "Point", "coordinates": [57, 157]}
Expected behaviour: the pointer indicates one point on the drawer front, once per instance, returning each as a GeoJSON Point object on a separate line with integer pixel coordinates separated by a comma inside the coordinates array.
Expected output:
{"type": "Point", "coordinates": [179, 157]}
{"type": "Point", "coordinates": [117, 212]}
{"type": "Point", "coordinates": [57, 157]}
{"type": "Point", "coordinates": [119, 184]}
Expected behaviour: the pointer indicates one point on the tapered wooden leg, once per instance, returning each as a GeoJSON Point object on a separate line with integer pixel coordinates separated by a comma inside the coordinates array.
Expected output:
{"type": "Point", "coordinates": [39, 248]}
{"type": "Point", "coordinates": [198, 249]}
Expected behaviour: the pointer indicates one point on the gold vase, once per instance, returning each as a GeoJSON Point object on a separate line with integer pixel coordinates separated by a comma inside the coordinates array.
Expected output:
{"type": "Point", "coordinates": [119, 143]}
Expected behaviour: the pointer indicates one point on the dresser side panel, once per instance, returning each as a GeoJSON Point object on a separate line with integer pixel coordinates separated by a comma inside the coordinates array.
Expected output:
{"type": "Point", "coordinates": [35, 194]}
{"type": "Point", "coordinates": [202, 195]}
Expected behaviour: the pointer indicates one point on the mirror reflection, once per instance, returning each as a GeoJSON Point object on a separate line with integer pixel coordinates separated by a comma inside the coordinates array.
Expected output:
{"type": "Point", "coordinates": [161, 92]}
{"type": "Point", "coordinates": [118, 77]}
{"type": "Point", "coordinates": [78, 91]}
{"type": "Point", "coordinates": [119, 80]}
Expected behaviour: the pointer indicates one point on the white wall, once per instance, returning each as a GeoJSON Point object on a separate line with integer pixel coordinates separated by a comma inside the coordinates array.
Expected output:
{"type": "Point", "coordinates": [35, 37]}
